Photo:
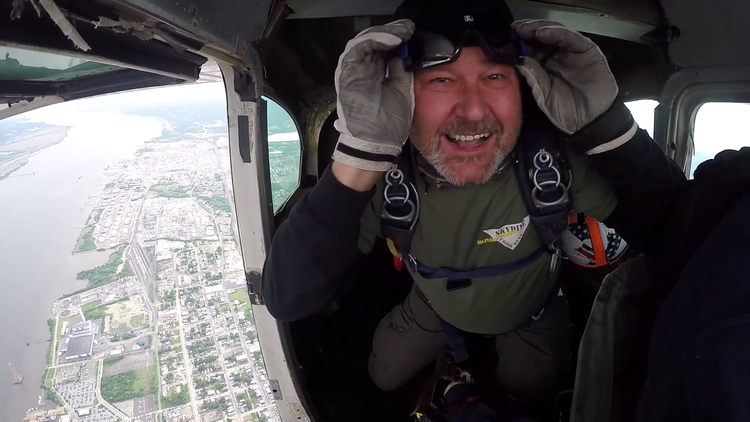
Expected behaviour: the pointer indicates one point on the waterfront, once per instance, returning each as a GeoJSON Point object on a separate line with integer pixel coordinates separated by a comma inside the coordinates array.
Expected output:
{"type": "Point", "coordinates": [41, 219]}
{"type": "Point", "coordinates": [170, 331]}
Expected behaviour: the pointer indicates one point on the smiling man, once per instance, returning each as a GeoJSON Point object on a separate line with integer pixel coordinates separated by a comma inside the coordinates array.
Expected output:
{"type": "Point", "coordinates": [455, 80]}
{"type": "Point", "coordinates": [467, 116]}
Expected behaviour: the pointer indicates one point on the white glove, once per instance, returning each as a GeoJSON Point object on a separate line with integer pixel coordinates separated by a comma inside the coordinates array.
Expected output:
{"type": "Point", "coordinates": [575, 85]}
{"type": "Point", "coordinates": [374, 114]}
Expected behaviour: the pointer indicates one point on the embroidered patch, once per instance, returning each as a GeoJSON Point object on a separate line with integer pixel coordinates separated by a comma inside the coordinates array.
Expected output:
{"type": "Point", "coordinates": [509, 236]}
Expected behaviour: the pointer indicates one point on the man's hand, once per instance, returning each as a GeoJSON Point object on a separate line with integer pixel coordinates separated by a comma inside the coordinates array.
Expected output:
{"type": "Point", "coordinates": [573, 85]}
{"type": "Point", "coordinates": [374, 113]}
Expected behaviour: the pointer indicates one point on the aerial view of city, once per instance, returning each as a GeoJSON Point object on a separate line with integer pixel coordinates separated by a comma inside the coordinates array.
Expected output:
{"type": "Point", "coordinates": [162, 330]}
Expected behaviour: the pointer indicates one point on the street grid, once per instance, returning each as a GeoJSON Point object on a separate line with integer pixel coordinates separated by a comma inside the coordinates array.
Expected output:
{"type": "Point", "coordinates": [181, 246]}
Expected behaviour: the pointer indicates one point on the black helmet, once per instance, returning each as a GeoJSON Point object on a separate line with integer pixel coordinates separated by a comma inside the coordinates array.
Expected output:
{"type": "Point", "coordinates": [444, 27]}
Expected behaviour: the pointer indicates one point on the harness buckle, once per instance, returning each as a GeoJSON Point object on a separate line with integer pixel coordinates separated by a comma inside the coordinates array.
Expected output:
{"type": "Point", "coordinates": [394, 176]}
{"type": "Point", "coordinates": [406, 217]}
{"type": "Point", "coordinates": [557, 256]}
{"type": "Point", "coordinates": [389, 196]}
{"type": "Point", "coordinates": [547, 178]}
{"type": "Point", "coordinates": [399, 207]}
{"type": "Point", "coordinates": [411, 263]}
{"type": "Point", "coordinates": [539, 203]}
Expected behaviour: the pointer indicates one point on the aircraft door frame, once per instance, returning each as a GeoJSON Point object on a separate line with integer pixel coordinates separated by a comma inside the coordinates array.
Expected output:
{"type": "Point", "coordinates": [251, 182]}
{"type": "Point", "coordinates": [683, 95]}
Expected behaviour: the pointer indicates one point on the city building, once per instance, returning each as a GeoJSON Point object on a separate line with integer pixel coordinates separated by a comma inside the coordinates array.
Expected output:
{"type": "Point", "coordinates": [80, 343]}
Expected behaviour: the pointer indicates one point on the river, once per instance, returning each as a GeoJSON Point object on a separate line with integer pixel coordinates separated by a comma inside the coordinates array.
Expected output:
{"type": "Point", "coordinates": [40, 220]}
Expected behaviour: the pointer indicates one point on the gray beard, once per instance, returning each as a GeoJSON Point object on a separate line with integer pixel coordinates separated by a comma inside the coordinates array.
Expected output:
{"type": "Point", "coordinates": [437, 161]}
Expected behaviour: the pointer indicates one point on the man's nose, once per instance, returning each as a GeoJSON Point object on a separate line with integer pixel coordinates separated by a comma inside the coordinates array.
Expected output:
{"type": "Point", "coordinates": [472, 105]}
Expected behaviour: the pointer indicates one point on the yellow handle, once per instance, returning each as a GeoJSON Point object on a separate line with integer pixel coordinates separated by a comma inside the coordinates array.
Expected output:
{"type": "Point", "coordinates": [392, 248]}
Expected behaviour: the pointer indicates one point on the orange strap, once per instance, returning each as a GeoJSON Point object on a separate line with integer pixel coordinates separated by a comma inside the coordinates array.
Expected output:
{"type": "Point", "coordinates": [600, 254]}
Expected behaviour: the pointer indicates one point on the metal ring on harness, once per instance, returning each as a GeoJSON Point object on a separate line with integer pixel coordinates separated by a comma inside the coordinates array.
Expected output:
{"type": "Point", "coordinates": [397, 175]}
{"type": "Point", "coordinates": [405, 199]}
{"type": "Point", "coordinates": [408, 217]}
{"type": "Point", "coordinates": [547, 182]}
{"type": "Point", "coordinates": [544, 157]}
{"type": "Point", "coordinates": [538, 202]}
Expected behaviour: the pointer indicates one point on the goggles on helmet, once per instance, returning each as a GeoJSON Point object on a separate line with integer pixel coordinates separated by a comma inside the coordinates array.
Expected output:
{"type": "Point", "coordinates": [441, 41]}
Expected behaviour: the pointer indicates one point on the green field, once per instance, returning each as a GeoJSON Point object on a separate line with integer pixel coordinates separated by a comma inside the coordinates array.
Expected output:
{"type": "Point", "coordinates": [130, 385]}
{"type": "Point", "coordinates": [168, 190]}
{"type": "Point", "coordinates": [111, 361]}
{"type": "Point", "coordinates": [85, 240]}
{"type": "Point", "coordinates": [241, 295]}
{"type": "Point", "coordinates": [51, 324]}
{"type": "Point", "coordinates": [146, 380]}
{"type": "Point", "coordinates": [218, 203]}
{"type": "Point", "coordinates": [90, 306]}
{"type": "Point", "coordinates": [48, 377]}
{"type": "Point", "coordinates": [137, 322]}
{"type": "Point", "coordinates": [99, 312]}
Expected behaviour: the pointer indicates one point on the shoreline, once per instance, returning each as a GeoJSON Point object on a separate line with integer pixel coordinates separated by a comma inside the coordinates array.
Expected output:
{"type": "Point", "coordinates": [56, 134]}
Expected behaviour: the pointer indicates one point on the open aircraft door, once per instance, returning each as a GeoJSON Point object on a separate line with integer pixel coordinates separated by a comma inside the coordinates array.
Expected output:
{"type": "Point", "coordinates": [75, 49]}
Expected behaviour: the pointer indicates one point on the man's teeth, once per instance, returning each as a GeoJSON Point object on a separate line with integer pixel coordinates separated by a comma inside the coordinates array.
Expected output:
{"type": "Point", "coordinates": [468, 137]}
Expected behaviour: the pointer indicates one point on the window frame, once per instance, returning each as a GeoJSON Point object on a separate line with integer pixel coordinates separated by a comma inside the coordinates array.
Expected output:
{"type": "Point", "coordinates": [683, 95]}
{"type": "Point", "coordinates": [689, 161]}
{"type": "Point", "coordinates": [248, 146]}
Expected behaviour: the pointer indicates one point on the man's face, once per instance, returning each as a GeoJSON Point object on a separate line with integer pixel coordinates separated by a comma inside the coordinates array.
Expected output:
{"type": "Point", "coordinates": [467, 116]}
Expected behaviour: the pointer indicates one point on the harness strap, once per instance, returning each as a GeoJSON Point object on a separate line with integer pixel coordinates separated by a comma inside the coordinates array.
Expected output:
{"type": "Point", "coordinates": [400, 211]}
{"type": "Point", "coordinates": [547, 200]}
{"type": "Point", "coordinates": [456, 341]}
{"type": "Point", "coordinates": [459, 279]}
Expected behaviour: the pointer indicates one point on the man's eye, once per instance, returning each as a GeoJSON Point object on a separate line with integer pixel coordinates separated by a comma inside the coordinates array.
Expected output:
{"type": "Point", "coordinates": [496, 77]}
{"type": "Point", "coordinates": [440, 80]}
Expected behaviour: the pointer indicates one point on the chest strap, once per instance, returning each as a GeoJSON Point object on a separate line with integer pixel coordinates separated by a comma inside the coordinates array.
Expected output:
{"type": "Point", "coordinates": [458, 279]}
